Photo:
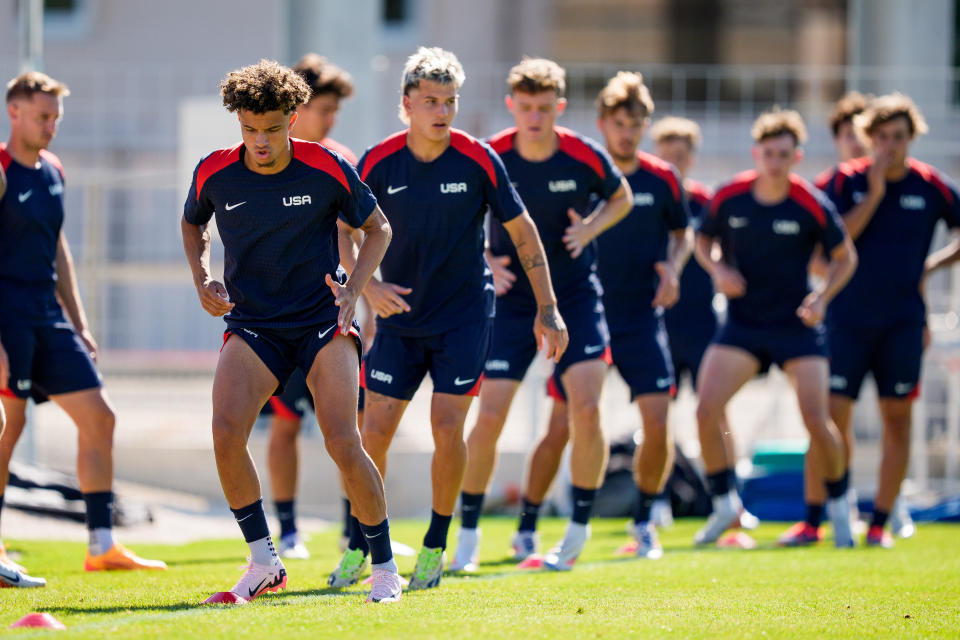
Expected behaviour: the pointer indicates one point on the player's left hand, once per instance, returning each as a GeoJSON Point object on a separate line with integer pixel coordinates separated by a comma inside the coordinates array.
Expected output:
{"type": "Point", "coordinates": [668, 291]}
{"type": "Point", "coordinates": [551, 332]}
{"type": "Point", "coordinates": [346, 298]}
{"type": "Point", "coordinates": [89, 343]}
{"type": "Point", "coordinates": [578, 235]}
{"type": "Point", "coordinates": [812, 310]}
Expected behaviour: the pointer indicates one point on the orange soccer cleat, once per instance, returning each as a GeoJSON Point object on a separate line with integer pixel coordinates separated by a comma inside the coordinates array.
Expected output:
{"type": "Point", "coordinates": [119, 558]}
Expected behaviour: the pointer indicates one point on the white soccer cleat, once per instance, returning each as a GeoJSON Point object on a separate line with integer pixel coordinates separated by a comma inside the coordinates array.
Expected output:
{"type": "Point", "coordinates": [901, 523]}
{"type": "Point", "coordinates": [12, 576]}
{"type": "Point", "coordinates": [661, 514]}
{"type": "Point", "coordinates": [292, 546]}
{"type": "Point", "coordinates": [564, 555]}
{"type": "Point", "coordinates": [386, 587]}
{"type": "Point", "coordinates": [648, 546]}
{"type": "Point", "coordinates": [256, 580]}
{"type": "Point", "coordinates": [525, 544]}
{"type": "Point", "coordinates": [838, 510]}
{"type": "Point", "coordinates": [467, 555]}
{"type": "Point", "coordinates": [748, 521]}
{"type": "Point", "coordinates": [726, 513]}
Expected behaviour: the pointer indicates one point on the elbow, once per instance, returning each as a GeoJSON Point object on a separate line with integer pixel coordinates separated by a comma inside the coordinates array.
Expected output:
{"type": "Point", "coordinates": [387, 232]}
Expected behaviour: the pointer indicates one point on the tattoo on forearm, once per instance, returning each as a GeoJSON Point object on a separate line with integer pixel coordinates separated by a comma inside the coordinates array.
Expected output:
{"type": "Point", "coordinates": [548, 316]}
{"type": "Point", "coordinates": [532, 261]}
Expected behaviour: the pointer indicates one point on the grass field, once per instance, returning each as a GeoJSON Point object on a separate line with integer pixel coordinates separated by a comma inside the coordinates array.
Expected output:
{"type": "Point", "coordinates": [912, 591]}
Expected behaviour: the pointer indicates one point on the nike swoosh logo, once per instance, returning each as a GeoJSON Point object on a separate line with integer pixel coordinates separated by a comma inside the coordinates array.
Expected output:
{"type": "Point", "coordinates": [256, 589]}
{"type": "Point", "coordinates": [231, 207]}
{"type": "Point", "coordinates": [593, 349]}
{"type": "Point", "coordinates": [460, 382]}
{"type": "Point", "coordinates": [22, 197]}
{"type": "Point", "coordinates": [489, 286]}
{"type": "Point", "coordinates": [376, 535]}
{"type": "Point", "coordinates": [244, 518]}
{"type": "Point", "coordinates": [12, 577]}
{"type": "Point", "coordinates": [323, 333]}
{"type": "Point", "coordinates": [583, 503]}
{"type": "Point", "coordinates": [392, 190]}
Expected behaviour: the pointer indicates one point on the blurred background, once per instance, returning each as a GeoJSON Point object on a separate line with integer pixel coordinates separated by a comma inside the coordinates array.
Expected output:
{"type": "Point", "coordinates": [145, 108]}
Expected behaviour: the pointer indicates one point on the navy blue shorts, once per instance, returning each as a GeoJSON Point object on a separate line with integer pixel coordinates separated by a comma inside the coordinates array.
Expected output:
{"type": "Point", "coordinates": [284, 350]}
{"type": "Point", "coordinates": [776, 344]}
{"type": "Point", "coordinates": [894, 356]}
{"type": "Point", "coordinates": [295, 401]}
{"type": "Point", "coordinates": [687, 346]}
{"type": "Point", "coordinates": [396, 364]}
{"type": "Point", "coordinates": [47, 361]}
{"type": "Point", "coordinates": [514, 345]}
{"type": "Point", "coordinates": [642, 358]}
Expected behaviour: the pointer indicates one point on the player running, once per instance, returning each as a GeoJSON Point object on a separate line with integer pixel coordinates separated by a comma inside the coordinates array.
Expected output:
{"type": "Point", "coordinates": [436, 301]}
{"type": "Point", "coordinates": [756, 242]}
{"type": "Point", "coordinates": [46, 348]}
{"type": "Point", "coordinates": [329, 85]}
{"type": "Point", "coordinates": [287, 305]}
{"type": "Point", "coordinates": [558, 174]}
{"type": "Point", "coordinates": [891, 204]}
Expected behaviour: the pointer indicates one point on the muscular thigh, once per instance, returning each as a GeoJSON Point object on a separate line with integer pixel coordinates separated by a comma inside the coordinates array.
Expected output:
{"type": "Point", "coordinates": [242, 382]}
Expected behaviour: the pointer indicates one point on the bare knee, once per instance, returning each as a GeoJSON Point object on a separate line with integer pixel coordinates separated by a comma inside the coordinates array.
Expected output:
{"type": "Point", "coordinates": [447, 434]}
{"type": "Point", "coordinates": [585, 413]}
{"type": "Point", "coordinates": [228, 432]}
{"type": "Point", "coordinates": [709, 413]}
{"type": "Point", "coordinates": [655, 434]}
{"type": "Point", "coordinates": [344, 447]}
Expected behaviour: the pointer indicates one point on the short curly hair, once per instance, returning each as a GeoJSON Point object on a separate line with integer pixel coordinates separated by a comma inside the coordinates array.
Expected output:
{"type": "Point", "coordinates": [625, 90]}
{"type": "Point", "coordinates": [262, 87]}
{"type": "Point", "coordinates": [850, 105]}
{"type": "Point", "coordinates": [883, 109]}
{"type": "Point", "coordinates": [534, 75]}
{"type": "Point", "coordinates": [778, 122]}
{"type": "Point", "coordinates": [323, 77]}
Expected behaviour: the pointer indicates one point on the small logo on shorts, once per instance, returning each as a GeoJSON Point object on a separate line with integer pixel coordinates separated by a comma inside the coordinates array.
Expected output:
{"type": "Point", "coordinates": [323, 333]}
{"type": "Point", "coordinates": [497, 365]}
{"type": "Point", "coordinates": [386, 378]}
{"type": "Point", "coordinates": [663, 383]}
{"type": "Point", "coordinates": [24, 385]}
{"type": "Point", "coordinates": [253, 333]}
{"type": "Point", "coordinates": [460, 382]}
{"type": "Point", "coordinates": [590, 349]}
{"type": "Point", "coordinates": [903, 388]}
{"type": "Point", "coordinates": [838, 382]}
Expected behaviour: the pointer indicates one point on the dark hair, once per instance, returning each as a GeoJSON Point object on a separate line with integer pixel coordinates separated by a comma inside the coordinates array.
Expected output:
{"type": "Point", "coordinates": [846, 108]}
{"type": "Point", "coordinates": [262, 87]}
{"type": "Point", "coordinates": [324, 77]}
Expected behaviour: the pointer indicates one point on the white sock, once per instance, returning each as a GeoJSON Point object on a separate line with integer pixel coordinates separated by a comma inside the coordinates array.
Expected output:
{"type": "Point", "coordinates": [576, 531]}
{"type": "Point", "coordinates": [389, 565]}
{"type": "Point", "coordinates": [101, 540]}
{"type": "Point", "coordinates": [263, 552]}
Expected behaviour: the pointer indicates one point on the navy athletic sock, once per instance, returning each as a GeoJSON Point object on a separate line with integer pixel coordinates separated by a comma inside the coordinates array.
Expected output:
{"type": "Point", "coordinates": [252, 521]}
{"type": "Point", "coordinates": [528, 516]}
{"type": "Point", "coordinates": [470, 506]}
{"type": "Point", "coordinates": [345, 532]}
{"type": "Point", "coordinates": [814, 515]}
{"type": "Point", "coordinates": [879, 518]}
{"type": "Point", "coordinates": [582, 504]}
{"type": "Point", "coordinates": [357, 540]}
{"type": "Point", "coordinates": [436, 537]}
{"type": "Point", "coordinates": [838, 488]}
{"type": "Point", "coordinates": [378, 540]}
{"type": "Point", "coordinates": [719, 483]}
{"type": "Point", "coordinates": [732, 480]}
{"type": "Point", "coordinates": [99, 509]}
{"type": "Point", "coordinates": [286, 515]}
{"type": "Point", "coordinates": [664, 495]}
{"type": "Point", "coordinates": [641, 509]}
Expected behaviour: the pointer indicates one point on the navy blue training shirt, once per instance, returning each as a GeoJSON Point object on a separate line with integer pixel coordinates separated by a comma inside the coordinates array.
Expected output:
{"type": "Point", "coordinates": [695, 306]}
{"type": "Point", "coordinates": [31, 216]}
{"type": "Point", "coordinates": [892, 248]}
{"type": "Point", "coordinates": [628, 251]}
{"type": "Point", "coordinates": [579, 173]}
{"type": "Point", "coordinates": [279, 231]}
{"type": "Point", "coordinates": [436, 210]}
{"type": "Point", "coordinates": [771, 245]}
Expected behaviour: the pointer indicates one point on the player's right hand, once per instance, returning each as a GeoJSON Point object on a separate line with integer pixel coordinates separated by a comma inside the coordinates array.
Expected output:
{"type": "Point", "coordinates": [214, 298]}
{"type": "Point", "coordinates": [728, 281]}
{"type": "Point", "coordinates": [551, 332]}
{"type": "Point", "coordinates": [4, 369]}
{"type": "Point", "coordinates": [384, 297]}
{"type": "Point", "coordinates": [503, 278]}
{"type": "Point", "coordinates": [877, 173]}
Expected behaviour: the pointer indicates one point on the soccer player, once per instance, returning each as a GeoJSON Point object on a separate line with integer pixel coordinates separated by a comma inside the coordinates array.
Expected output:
{"type": "Point", "coordinates": [436, 301]}
{"type": "Point", "coordinates": [46, 347]}
{"type": "Point", "coordinates": [559, 174]}
{"type": "Point", "coordinates": [756, 242]}
{"type": "Point", "coordinates": [891, 204]}
{"type": "Point", "coordinates": [287, 305]}
{"type": "Point", "coordinates": [329, 84]}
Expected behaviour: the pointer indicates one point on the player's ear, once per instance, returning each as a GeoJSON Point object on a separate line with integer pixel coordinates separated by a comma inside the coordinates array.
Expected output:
{"type": "Point", "coordinates": [508, 100]}
{"type": "Point", "coordinates": [293, 119]}
{"type": "Point", "coordinates": [797, 155]}
{"type": "Point", "coordinates": [755, 152]}
{"type": "Point", "coordinates": [600, 123]}
{"type": "Point", "coordinates": [561, 105]}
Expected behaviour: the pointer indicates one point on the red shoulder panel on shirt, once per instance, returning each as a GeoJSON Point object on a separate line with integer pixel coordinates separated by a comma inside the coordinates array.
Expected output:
{"type": "Point", "coordinates": [52, 159]}
{"type": "Point", "coordinates": [503, 141]}
{"type": "Point", "coordinates": [471, 147]}
{"type": "Point", "coordinates": [573, 146]}
{"type": "Point", "coordinates": [316, 156]}
{"type": "Point", "coordinates": [850, 168]}
{"type": "Point", "coordinates": [387, 147]}
{"type": "Point", "coordinates": [823, 179]}
{"type": "Point", "coordinates": [698, 191]}
{"type": "Point", "coordinates": [342, 149]}
{"type": "Point", "coordinates": [801, 192]}
{"type": "Point", "coordinates": [740, 184]}
{"type": "Point", "coordinates": [660, 168]}
{"type": "Point", "coordinates": [932, 176]}
{"type": "Point", "coordinates": [5, 157]}
{"type": "Point", "coordinates": [215, 162]}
